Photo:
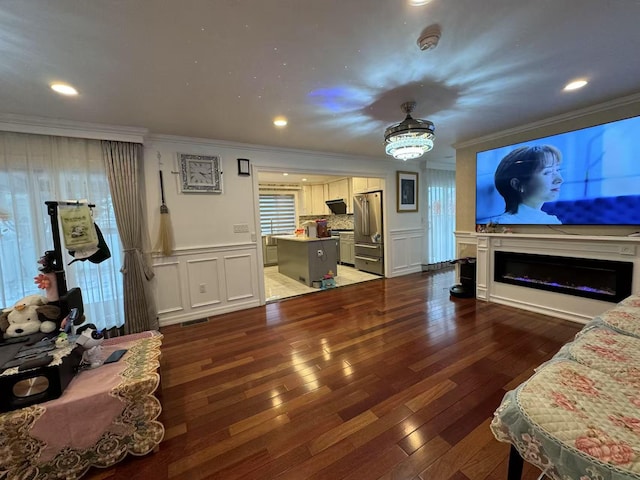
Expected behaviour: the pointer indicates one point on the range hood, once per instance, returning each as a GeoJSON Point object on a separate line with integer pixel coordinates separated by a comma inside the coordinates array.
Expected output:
{"type": "Point", "coordinates": [337, 206]}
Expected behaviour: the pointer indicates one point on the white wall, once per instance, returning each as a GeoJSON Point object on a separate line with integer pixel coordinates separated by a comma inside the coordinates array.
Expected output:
{"type": "Point", "coordinates": [215, 270]}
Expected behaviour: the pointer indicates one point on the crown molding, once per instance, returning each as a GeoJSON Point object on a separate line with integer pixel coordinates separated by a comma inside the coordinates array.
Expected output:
{"type": "Point", "coordinates": [601, 107]}
{"type": "Point", "coordinates": [206, 142]}
{"type": "Point", "coordinates": [10, 122]}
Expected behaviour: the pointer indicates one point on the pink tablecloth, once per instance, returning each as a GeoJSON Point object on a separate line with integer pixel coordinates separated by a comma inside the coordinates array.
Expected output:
{"type": "Point", "coordinates": [103, 414]}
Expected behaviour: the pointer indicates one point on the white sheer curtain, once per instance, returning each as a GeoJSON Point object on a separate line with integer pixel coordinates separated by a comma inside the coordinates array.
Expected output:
{"type": "Point", "coordinates": [37, 168]}
{"type": "Point", "coordinates": [441, 215]}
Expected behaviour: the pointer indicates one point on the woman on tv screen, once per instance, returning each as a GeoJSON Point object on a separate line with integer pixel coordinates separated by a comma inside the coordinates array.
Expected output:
{"type": "Point", "coordinates": [527, 177]}
{"type": "Point", "coordinates": [600, 181]}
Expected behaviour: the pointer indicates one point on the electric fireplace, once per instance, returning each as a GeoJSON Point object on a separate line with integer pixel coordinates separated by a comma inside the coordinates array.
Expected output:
{"type": "Point", "coordinates": [606, 280]}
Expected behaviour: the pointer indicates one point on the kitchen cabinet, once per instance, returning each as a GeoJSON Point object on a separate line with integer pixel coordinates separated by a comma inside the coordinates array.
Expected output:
{"type": "Point", "coordinates": [341, 189]}
{"type": "Point", "coordinates": [314, 198]}
{"type": "Point", "coordinates": [347, 248]}
{"type": "Point", "coordinates": [306, 200]}
{"type": "Point", "coordinates": [362, 185]}
{"type": "Point", "coordinates": [319, 196]}
{"type": "Point", "coordinates": [374, 184]}
{"type": "Point", "coordinates": [269, 251]}
{"type": "Point", "coordinates": [359, 184]}
{"type": "Point", "coordinates": [270, 255]}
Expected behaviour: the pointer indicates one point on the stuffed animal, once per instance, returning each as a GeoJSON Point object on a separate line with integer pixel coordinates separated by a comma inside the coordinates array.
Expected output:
{"type": "Point", "coordinates": [24, 317]}
{"type": "Point", "coordinates": [91, 340]}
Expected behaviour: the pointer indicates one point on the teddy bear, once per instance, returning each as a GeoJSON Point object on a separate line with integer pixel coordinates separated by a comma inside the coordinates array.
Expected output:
{"type": "Point", "coordinates": [24, 317]}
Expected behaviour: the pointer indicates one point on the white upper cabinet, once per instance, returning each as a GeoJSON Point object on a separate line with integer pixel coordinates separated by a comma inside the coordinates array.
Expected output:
{"type": "Point", "coordinates": [339, 189]}
{"type": "Point", "coordinates": [362, 185]}
{"type": "Point", "coordinates": [359, 185]}
{"type": "Point", "coordinates": [314, 198]}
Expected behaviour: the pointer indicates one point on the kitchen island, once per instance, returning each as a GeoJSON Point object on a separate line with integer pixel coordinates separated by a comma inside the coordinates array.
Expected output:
{"type": "Point", "coordinates": [306, 259]}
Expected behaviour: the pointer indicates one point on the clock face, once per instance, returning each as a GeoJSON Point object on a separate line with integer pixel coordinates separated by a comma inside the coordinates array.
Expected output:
{"type": "Point", "coordinates": [200, 173]}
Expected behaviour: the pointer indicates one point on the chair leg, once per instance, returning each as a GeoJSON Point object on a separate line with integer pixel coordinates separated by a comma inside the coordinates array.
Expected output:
{"type": "Point", "coordinates": [515, 465]}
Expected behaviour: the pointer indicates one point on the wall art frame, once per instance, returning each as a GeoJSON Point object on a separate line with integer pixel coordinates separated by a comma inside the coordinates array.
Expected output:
{"type": "Point", "coordinates": [200, 173]}
{"type": "Point", "coordinates": [407, 191]}
{"type": "Point", "coordinates": [243, 167]}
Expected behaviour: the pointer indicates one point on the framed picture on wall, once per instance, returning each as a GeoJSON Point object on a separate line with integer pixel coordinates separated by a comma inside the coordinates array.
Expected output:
{"type": "Point", "coordinates": [407, 189]}
{"type": "Point", "coordinates": [243, 167]}
{"type": "Point", "coordinates": [200, 173]}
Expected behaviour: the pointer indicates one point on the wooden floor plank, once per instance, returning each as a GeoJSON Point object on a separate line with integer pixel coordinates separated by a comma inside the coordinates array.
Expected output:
{"type": "Point", "coordinates": [389, 379]}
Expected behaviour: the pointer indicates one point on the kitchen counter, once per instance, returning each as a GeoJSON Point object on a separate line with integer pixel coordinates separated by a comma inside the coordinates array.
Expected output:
{"type": "Point", "coordinates": [301, 238]}
{"type": "Point", "coordinates": [307, 259]}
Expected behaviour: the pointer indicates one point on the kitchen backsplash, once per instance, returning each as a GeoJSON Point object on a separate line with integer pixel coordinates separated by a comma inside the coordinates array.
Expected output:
{"type": "Point", "coordinates": [334, 222]}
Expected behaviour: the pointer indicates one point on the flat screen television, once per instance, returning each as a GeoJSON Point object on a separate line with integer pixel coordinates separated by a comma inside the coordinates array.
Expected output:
{"type": "Point", "coordinates": [595, 182]}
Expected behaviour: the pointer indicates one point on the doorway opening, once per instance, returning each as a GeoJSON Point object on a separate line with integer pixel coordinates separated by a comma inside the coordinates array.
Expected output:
{"type": "Point", "coordinates": [293, 202]}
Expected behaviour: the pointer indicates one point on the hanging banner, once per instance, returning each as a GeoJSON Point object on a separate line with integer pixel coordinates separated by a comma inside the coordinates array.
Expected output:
{"type": "Point", "coordinates": [78, 230]}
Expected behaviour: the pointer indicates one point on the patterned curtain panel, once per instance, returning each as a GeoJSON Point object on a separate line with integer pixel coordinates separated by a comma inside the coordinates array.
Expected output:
{"type": "Point", "coordinates": [38, 168]}
{"type": "Point", "coordinates": [441, 215]}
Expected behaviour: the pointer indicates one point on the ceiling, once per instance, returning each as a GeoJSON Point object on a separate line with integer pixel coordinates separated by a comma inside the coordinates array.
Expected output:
{"type": "Point", "coordinates": [337, 69]}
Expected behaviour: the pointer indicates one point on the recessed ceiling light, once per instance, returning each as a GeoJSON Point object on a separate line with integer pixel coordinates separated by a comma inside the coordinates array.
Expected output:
{"type": "Point", "coordinates": [280, 122]}
{"type": "Point", "coordinates": [304, 179]}
{"type": "Point", "coordinates": [285, 174]}
{"type": "Point", "coordinates": [63, 89]}
{"type": "Point", "coordinates": [575, 85]}
{"type": "Point", "coordinates": [418, 3]}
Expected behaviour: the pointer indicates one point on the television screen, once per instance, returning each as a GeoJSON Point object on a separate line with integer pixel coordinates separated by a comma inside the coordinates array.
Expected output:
{"type": "Point", "coordinates": [583, 177]}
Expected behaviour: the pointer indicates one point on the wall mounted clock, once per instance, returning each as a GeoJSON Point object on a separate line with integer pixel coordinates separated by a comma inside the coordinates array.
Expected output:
{"type": "Point", "coordinates": [200, 173]}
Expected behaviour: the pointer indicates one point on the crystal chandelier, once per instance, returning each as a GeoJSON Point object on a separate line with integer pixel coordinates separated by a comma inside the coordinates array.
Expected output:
{"type": "Point", "coordinates": [410, 138]}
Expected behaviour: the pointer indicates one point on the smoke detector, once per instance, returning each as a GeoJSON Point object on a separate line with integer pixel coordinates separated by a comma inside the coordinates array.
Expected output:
{"type": "Point", "coordinates": [429, 37]}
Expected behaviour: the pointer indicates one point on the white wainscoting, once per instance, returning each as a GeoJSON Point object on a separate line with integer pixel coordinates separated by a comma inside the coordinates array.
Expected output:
{"type": "Point", "coordinates": [406, 249]}
{"type": "Point", "coordinates": [578, 309]}
{"type": "Point", "coordinates": [201, 282]}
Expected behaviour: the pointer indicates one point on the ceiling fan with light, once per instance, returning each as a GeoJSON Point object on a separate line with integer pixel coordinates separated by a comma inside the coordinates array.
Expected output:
{"type": "Point", "coordinates": [410, 138]}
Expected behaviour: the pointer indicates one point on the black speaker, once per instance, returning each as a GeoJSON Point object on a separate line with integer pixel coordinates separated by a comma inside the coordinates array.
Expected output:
{"type": "Point", "coordinates": [467, 286]}
{"type": "Point", "coordinates": [468, 275]}
{"type": "Point", "coordinates": [39, 384]}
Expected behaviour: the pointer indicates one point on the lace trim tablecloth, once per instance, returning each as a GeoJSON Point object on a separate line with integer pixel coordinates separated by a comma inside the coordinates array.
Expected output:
{"type": "Point", "coordinates": [103, 415]}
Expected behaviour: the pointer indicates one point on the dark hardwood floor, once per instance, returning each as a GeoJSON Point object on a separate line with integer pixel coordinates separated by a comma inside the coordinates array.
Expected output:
{"type": "Point", "coordinates": [387, 379]}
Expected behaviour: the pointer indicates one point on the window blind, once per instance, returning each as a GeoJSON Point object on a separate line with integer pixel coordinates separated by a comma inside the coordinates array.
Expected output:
{"type": "Point", "coordinates": [277, 214]}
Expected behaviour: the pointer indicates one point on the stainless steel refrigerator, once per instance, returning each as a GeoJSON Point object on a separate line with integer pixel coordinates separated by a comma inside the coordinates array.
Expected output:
{"type": "Point", "coordinates": [368, 232]}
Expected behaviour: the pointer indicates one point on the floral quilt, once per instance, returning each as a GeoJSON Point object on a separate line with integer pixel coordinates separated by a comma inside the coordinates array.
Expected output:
{"type": "Point", "coordinates": [574, 422]}
{"type": "Point", "coordinates": [578, 416]}
{"type": "Point", "coordinates": [606, 351]}
{"type": "Point", "coordinates": [623, 318]}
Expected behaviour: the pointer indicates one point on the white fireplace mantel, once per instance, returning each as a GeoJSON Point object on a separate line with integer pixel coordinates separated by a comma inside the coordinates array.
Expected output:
{"type": "Point", "coordinates": [578, 309]}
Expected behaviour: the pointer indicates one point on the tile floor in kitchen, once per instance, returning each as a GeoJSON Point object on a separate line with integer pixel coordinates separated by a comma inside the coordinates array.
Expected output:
{"type": "Point", "coordinates": [278, 286]}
